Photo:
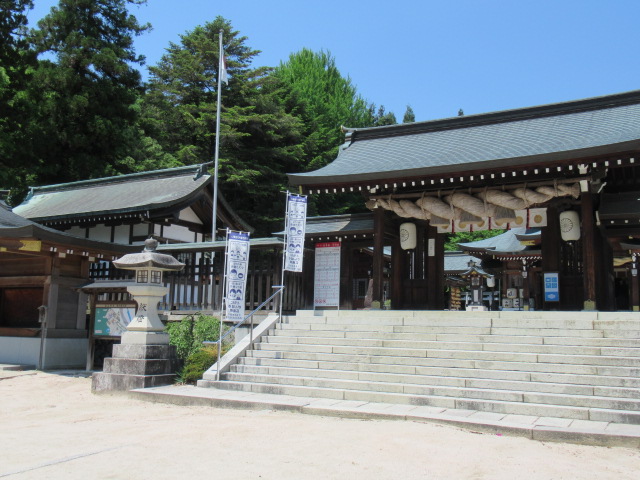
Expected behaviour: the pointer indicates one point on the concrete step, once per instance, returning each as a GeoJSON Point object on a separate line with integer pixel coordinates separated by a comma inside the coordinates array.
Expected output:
{"type": "Point", "coordinates": [449, 345]}
{"type": "Point", "coordinates": [524, 366]}
{"type": "Point", "coordinates": [604, 380]}
{"type": "Point", "coordinates": [563, 385]}
{"type": "Point", "coordinates": [290, 330]}
{"type": "Point", "coordinates": [570, 358]}
{"type": "Point", "coordinates": [496, 406]}
{"type": "Point", "coordinates": [473, 329]}
{"type": "Point", "coordinates": [572, 396]}
{"type": "Point", "coordinates": [574, 365]}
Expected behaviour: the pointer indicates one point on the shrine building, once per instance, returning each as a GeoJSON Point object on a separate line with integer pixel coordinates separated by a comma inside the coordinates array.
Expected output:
{"type": "Point", "coordinates": [568, 169]}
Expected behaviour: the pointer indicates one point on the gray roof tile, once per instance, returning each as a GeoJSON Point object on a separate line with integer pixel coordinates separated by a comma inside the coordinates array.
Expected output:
{"type": "Point", "coordinates": [515, 137]}
{"type": "Point", "coordinates": [112, 195]}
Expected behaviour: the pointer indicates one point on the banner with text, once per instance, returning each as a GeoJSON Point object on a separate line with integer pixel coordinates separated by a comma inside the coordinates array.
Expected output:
{"type": "Point", "coordinates": [294, 234]}
{"type": "Point", "coordinates": [236, 273]}
{"type": "Point", "coordinates": [326, 280]}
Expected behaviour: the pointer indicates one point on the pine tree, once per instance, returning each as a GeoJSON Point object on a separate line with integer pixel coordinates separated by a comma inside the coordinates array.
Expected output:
{"type": "Point", "coordinates": [260, 137]}
{"type": "Point", "coordinates": [86, 96]}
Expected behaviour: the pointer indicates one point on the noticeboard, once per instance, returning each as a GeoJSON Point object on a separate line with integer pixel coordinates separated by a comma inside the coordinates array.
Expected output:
{"type": "Point", "coordinates": [327, 275]}
{"type": "Point", "coordinates": [112, 319]}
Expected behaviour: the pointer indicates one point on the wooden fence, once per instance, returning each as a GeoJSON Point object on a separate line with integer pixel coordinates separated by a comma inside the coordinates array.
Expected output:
{"type": "Point", "coordinates": [198, 287]}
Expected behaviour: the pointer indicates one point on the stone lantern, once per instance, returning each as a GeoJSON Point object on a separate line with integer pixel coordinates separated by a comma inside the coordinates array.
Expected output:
{"type": "Point", "coordinates": [476, 276]}
{"type": "Point", "coordinates": [144, 357]}
{"type": "Point", "coordinates": [147, 328]}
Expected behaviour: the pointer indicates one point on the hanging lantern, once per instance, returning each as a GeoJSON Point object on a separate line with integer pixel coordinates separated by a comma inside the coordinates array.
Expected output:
{"type": "Point", "coordinates": [491, 282]}
{"type": "Point", "coordinates": [570, 225]}
{"type": "Point", "coordinates": [408, 236]}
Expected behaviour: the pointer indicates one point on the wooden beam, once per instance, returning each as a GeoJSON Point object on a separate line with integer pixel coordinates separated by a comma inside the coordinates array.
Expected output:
{"type": "Point", "coordinates": [589, 253]}
{"type": "Point", "coordinates": [378, 253]}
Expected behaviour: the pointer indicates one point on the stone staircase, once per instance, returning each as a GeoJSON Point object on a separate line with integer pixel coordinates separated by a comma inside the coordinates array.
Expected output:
{"type": "Point", "coordinates": [575, 365]}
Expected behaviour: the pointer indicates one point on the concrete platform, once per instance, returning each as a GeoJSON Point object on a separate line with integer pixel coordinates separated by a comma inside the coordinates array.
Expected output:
{"type": "Point", "coordinates": [548, 429]}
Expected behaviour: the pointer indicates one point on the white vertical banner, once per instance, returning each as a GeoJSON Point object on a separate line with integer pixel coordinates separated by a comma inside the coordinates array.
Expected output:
{"type": "Point", "coordinates": [326, 280]}
{"type": "Point", "coordinates": [236, 274]}
{"type": "Point", "coordinates": [294, 232]}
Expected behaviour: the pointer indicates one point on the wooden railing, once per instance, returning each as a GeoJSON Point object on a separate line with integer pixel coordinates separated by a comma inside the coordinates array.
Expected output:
{"type": "Point", "coordinates": [198, 287]}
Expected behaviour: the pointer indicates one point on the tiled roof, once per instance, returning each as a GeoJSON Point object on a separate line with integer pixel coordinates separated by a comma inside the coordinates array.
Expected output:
{"type": "Point", "coordinates": [456, 262]}
{"type": "Point", "coordinates": [337, 224]}
{"type": "Point", "coordinates": [564, 131]}
{"type": "Point", "coordinates": [504, 243]}
{"type": "Point", "coordinates": [122, 194]}
{"type": "Point", "coordinates": [15, 227]}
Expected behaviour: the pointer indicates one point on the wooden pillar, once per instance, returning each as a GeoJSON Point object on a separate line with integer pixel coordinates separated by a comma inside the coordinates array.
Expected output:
{"type": "Point", "coordinates": [435, 269]}
{"type": "Point", "coordinates": [378, 254]}
{"type": "Point", "coordinates": [346, 276]}
{"type": "Point", "coordinates": [551, 249]}
{"type": "Point", "coordinates": [526, 289]}
{"type": "Point", "coordinates": [397, 274]}
{"type": "Point", "coordinates": [634, 300]}
{"type": "Point", "coordinates": [590, 257]}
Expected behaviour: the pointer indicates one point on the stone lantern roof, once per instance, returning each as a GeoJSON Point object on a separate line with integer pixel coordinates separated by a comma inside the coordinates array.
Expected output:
{"type": "Point", "coordinates": [475, 270]}
{"type": "Point", "coordinates": [149, 258]}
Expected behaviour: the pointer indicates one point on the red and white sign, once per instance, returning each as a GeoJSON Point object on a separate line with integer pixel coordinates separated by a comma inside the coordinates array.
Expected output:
{"type": "Point", "coordinates": [326, 284]}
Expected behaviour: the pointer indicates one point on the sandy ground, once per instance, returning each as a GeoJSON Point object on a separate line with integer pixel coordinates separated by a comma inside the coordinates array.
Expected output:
{"type": "Point", "coordinates": [52, 426]}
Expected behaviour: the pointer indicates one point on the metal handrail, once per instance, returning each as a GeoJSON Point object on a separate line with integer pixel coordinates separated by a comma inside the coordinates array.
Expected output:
{"type": "Point", "coordinates": [250, 315]}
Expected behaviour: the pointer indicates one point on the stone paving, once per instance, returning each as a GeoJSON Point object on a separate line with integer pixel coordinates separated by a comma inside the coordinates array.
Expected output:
{"type": "Point", "coordinates": [537, 428]}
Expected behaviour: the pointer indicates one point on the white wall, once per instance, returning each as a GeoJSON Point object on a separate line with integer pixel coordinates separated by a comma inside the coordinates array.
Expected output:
{"type": "Point", "coordinates": [179, 233]}
{"type": "Point", "coordinates": [77, 231]}
{"type": "Point", "coordinates": [121, 234]}
{"type": "Point", "coordinates": [59, 352]}
{"type": "Point", "coordinates": [188, 216]}
{"type": "Point", "coordinates": [101, 233]}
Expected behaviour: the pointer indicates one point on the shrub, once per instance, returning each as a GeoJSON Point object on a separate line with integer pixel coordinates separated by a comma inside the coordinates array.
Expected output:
{"type": "Point", "coordinates": [199, 362]}
{"type": "Point", "coordinates": [188, 334]}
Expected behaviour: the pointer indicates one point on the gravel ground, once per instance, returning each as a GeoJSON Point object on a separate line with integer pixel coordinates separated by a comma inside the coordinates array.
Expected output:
{"type": "Point", "coordinates": [53, 427]}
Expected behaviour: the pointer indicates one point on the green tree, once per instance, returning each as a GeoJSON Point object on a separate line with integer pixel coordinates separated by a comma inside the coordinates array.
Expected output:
{"type": "Point", "coordinates": [85, 98]}
{"type": "Point", "coordinates": [16, 63]}
{"type": "Point", "coordinates": [409, 116]}
{"type": "Point", "coordinates": [383, 118]}
{"type": "Point", "coordinates": [260, 135]}
{"type": "Point", "coordinates": [326, 100]}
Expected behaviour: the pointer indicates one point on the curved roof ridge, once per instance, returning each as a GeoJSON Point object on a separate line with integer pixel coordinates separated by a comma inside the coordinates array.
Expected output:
{"type": "Point", "coordinates": [184, 170]}
{"type": "Point", "coordinates": [498, 116]}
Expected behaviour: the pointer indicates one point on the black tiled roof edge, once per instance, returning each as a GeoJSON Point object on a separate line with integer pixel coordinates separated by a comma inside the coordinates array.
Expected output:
{"type": "Point", "coordinates": [500, 116]}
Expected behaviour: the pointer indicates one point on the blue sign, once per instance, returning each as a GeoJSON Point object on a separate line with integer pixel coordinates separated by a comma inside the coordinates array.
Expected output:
{"type": "Point", "coordinates": [551, 287]}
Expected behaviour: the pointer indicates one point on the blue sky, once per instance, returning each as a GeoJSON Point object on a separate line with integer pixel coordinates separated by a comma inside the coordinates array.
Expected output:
{"type": "Point", "coordinates": [435, 55]}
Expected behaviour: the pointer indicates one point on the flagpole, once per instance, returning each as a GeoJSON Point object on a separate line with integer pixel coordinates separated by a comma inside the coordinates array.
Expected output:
{"type": "Point", "coordinates": [216, 154]}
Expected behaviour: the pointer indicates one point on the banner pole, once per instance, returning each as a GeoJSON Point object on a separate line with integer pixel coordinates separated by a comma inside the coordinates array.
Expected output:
{"type": "Point", "coordinates": [284, 252]}
{"type": "Point", "coordinates": [223, 303]}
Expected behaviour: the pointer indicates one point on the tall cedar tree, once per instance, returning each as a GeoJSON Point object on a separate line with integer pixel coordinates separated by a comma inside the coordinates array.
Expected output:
{"type": "Point", "coordinates": [260, 137]}
{"type": "Point", "coordinates": [327, 101]}
{"type": "Point", "coordinates": [86, 96]}
{"type": "Point", "coordinates": [16, 62]}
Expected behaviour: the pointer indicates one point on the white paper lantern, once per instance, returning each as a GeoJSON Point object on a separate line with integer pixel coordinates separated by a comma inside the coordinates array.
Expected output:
{"type": "Point", "coordinates": [408, 236]}
{"type": "Point", "coordinates": [570, 225]}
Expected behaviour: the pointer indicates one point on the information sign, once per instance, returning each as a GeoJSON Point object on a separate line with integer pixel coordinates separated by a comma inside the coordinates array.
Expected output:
{"type": "Point", "coordinates": [551, 287]}
{"type": "Point", "coordinates": [327, 275]}
{"type": "Point", "coordinates": [236, 274]}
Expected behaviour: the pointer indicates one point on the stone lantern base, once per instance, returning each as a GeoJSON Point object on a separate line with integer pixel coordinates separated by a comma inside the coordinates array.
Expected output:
{"type": "Point", "coordinates": [136, 366]}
